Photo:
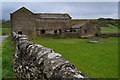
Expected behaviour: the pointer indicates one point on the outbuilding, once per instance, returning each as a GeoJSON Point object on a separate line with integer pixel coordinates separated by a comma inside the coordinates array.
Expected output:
{"type": "Point", "coordinates": [86, 29]}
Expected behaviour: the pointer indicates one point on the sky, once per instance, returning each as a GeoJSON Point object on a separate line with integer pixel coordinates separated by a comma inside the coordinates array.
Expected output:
{"type": "Point", "coordinates": [77, 10]}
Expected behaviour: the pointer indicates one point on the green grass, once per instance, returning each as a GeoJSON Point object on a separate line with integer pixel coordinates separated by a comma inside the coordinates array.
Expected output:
{"type": "Point", "coordinates": [0, 63]}
{"type": "Point", "coordinates": [5, 31]}
{"type": "Point", "coordinates": [110, 29]}
{"type": "Point", "coordinates": [7, 58]}
{"type": "Point", "coordinates": [95, 60]}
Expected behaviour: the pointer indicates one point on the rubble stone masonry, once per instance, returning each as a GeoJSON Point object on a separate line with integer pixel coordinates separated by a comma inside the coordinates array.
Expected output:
{"type": "Point", "coordinates": [35, 61]}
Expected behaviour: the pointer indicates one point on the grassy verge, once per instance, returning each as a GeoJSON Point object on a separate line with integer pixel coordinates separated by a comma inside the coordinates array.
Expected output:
{"type": "Point", "coordinates": [98, 60]}
{"type": "Point", "coordinates": [7, 57]}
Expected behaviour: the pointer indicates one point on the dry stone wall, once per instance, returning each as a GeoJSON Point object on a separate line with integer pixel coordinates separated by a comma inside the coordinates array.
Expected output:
{"type": "Point", "coordinates": [37, 62]}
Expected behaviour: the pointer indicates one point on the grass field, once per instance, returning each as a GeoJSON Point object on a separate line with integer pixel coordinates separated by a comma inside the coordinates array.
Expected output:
{"type": "Point", "coordinates": [110, 29]}
{"type": "Point", "coordinates": [7, 58]}
{"type": "Point", "coordinates": [5, 31]}
{"type": "Point", "coordinates": [95, 60]}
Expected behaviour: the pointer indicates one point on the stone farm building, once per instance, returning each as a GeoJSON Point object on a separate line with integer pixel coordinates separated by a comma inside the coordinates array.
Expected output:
{"type": "Point", "coordinates": [49, 25]}
{"type": "Point", "coordinates": [86, 29]}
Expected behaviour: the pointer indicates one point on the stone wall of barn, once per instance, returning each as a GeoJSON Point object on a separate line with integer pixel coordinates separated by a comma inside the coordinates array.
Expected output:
{"type": "Point", "coordinates": [90, 30]}
{"type": "Point", "coordinates": [71, 34]}
{"type": "Point", "coordinates": [38, 62]}
{"type": "Point", "coordinates": [24, 21]}
{"type": "Point", "coordinates": [52, 27]}
{"type": "Point", "coordinates": [53, 23]}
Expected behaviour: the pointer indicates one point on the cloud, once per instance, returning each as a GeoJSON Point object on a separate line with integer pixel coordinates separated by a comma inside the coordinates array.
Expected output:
{"type": "Point", "coordinates": [78, 10]}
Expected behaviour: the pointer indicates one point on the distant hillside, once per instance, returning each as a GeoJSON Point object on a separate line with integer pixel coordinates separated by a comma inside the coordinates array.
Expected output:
{"type": "Point", "coordinates": [74, 21]}
{"type": "Point", "coordinates": [102, 22]}
{"type": "Point", "coordinates": [106, 22]}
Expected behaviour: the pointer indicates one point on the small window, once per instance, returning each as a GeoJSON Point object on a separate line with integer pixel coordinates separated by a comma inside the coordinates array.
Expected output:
{"type": "Point", "coordinates": [71, 30]}
{"type": "Point", "coordinates": [74, 30]}
{"type": "Point", "coordinates": [85, 31]}
{"type": "Point", "coordinates": [60, 30]}
{"type": "Point", "coordinates": [55, 31]}
{"type": "Point", "coordinates": [96, 35]}
{"type": "Point", "coordinates": [42, 32]}
{"type": "Point", "coordinates": [65, 30]}
{"type": "Point", "coordinates": [19, 32]}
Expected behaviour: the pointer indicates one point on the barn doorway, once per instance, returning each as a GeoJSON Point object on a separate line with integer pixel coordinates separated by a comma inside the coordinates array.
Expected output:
{"type": "Point", "coordinates": [55, 31]}
{"type": "Point", "coordinates": [42, 32]}
{"type": "Point", "coordinates": [85, 31]}
{"type": "Point", "coordinates": [97, 35]}
{"type": "Point", "coordinates": [19, 32]}
{"type": "Point", "coordinates": [60, 32]}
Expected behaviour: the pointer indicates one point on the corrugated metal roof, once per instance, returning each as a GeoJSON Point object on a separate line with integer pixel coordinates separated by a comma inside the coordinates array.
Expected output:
{"type": "Point", "coordinates": [51, 15]}
{"type": "Point", "coordinates": [78, 25]}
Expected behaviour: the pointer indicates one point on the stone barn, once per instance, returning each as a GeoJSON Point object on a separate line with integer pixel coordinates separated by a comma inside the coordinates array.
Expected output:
{"type": "Point", "coordinates": [34, 25]}
{"type": "Point", "coordinates": [23, 22]}
{"type": "Point", "coordinates": [50, 25]}
{"type": "Point", "coordinates": [86, 29]}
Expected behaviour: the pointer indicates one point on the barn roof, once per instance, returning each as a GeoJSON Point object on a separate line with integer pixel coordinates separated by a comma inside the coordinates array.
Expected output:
{"type": "Point", "coordinates": [46, 15]}
{"type": "Point", "coordinates": [22, 8]}
{"type": "Point", "coordinates": [79, 24]}
{"type": "Point", "coordinates": [52, 15]}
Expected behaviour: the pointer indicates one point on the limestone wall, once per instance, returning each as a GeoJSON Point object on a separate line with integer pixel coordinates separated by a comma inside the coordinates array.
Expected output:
{"type": "Point", "coordinates": [37, 62]}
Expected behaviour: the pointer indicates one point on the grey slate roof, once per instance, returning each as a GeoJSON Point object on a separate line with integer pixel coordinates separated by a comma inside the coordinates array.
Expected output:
{"type": "Point", "coordinates": [80, 24]}
{"type": "Point", "coordinates": [52, 15]}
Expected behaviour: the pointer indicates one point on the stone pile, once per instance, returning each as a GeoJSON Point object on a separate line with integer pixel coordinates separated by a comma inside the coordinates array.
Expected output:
{"type": "Point", "coordinates": [37, 62]}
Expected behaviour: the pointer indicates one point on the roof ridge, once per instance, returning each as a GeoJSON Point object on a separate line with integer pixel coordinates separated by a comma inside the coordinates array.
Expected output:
{"type": "Point", "coordinates": [51, 13]}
